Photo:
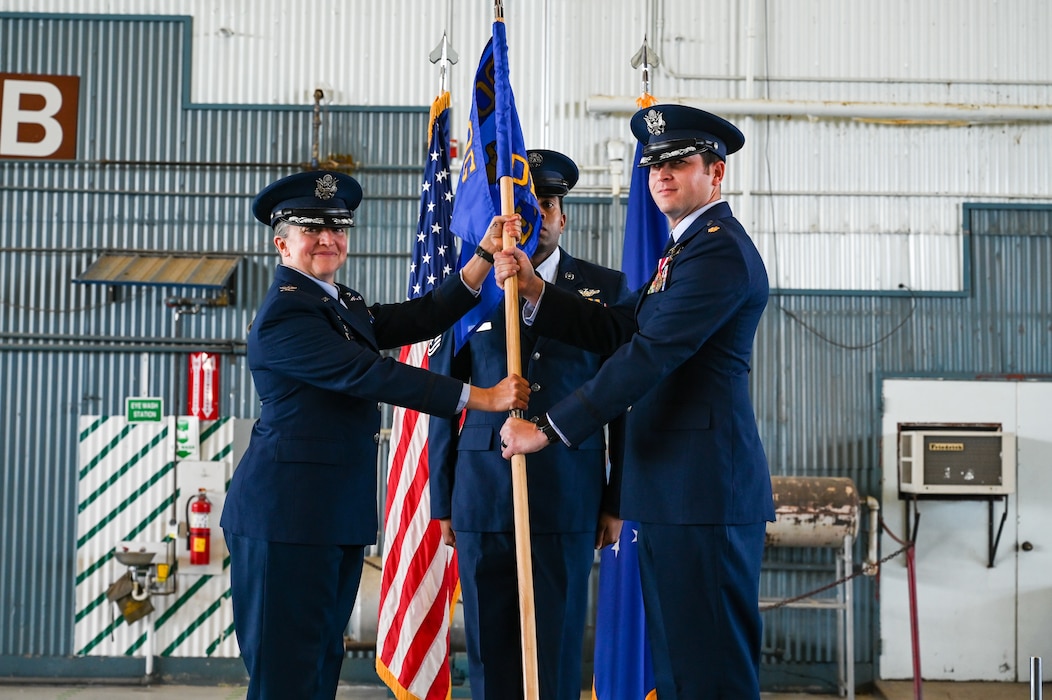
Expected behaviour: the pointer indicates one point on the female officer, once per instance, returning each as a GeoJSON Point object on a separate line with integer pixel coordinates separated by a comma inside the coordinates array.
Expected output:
{"type": "Point", "coordinates": [302, 502]}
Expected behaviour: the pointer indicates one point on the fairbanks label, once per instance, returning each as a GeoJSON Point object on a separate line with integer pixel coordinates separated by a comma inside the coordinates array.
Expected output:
{"type": "Point", "coordinates": [945, 447]}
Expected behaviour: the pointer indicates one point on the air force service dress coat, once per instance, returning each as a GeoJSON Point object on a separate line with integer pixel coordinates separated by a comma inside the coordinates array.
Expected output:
{"type": "Point", "coordinates": [680, 366]}
{"type": "Point", "coordinates": [309, 473]}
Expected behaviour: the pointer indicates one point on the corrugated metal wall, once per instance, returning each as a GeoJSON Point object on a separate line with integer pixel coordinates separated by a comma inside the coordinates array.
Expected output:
{"type": "Point", "coordinates": [880, 213]}
{"type": "Point", "coordinates": [68, 350]}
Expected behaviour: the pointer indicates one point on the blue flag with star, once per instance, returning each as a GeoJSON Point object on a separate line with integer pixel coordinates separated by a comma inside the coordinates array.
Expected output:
{"type": "Point", "coordinates": [432, 257]}
{"type": "Point", "coordinates": [623, 669]}
{"type": "Point", "coordinates": [495, 148]}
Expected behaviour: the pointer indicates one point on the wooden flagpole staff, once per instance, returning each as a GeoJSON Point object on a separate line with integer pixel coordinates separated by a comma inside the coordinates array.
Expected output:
{"type": "Point", "coordinates": [519, 489]}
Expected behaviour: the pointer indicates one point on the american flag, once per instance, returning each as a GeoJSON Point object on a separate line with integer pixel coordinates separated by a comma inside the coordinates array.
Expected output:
{"type": "Point", "coordinates": [419, 579]}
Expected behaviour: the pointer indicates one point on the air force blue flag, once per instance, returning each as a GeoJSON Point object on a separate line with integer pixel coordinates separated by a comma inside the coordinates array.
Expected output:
{"type": "Point", "coordinates": [646, 229]}
{"type": "Point", "coordinates": [623, 668]}
{"type": "Point", "coordinates": [495, 149]}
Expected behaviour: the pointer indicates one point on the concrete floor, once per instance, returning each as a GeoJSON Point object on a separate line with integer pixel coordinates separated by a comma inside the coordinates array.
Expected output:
{"type": "Point", "coordinates": [181, 692]}
{"type": "Point", "coordinates": [885, 690]}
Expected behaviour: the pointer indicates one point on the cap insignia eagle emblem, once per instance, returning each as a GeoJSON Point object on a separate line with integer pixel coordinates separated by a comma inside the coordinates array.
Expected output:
{"type": "Point", "coordinates": [535, 159]}
{"type": "Point", "coordinates": [655, 122]}
{"type": "Point", "coordinates": [326, 187]}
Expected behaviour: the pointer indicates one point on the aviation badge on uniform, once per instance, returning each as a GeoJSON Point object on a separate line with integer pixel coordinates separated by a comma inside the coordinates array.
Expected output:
{"type": "Point", "coordinates": [433, 345]}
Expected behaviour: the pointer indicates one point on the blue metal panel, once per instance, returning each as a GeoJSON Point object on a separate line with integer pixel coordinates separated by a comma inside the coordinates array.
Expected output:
{"type": "Point", "coordinates": [151, 174]}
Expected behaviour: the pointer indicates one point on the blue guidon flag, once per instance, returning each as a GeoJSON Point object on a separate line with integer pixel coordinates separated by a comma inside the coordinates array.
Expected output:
{"type": "Point", "coordinates": [495, 149]}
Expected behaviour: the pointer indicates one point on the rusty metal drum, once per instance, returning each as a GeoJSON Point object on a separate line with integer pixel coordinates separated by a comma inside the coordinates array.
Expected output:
{"type": "Point", "coordinates": [813, 511]}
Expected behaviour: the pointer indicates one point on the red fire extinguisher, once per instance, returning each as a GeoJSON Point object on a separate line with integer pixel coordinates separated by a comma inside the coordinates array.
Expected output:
{"type": "Point", "coordinates": [198, 510]}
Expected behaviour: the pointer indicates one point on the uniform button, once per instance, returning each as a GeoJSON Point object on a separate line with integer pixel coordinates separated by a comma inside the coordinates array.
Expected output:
{"type": "Point", "coordinates": [535, 387]}
{"type": "Point", "coordinates": [379, 407]}
{"type": "Point", "coordinates": [376, 438]}
{"type": "Point", "coordinates": [536, 356]}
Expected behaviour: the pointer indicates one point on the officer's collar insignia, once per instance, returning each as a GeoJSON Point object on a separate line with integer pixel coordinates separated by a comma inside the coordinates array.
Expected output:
{"type": "Point", "coordinates": [569, 276]}
{"type": "Point", "coordinates": [655, 122]}
{"type": "Point", "coordinates": [588, 292]}
{"type": "Point", "coordinates": [434, 345]}
{"type": "Point", "coordinates": [325, 298]}
{"type": "Point", "coordinates": [326, 188]}
{"type": "Point", "coordinates": [287, 288]}
{"type": "Point", "coordinates": [713, 229]}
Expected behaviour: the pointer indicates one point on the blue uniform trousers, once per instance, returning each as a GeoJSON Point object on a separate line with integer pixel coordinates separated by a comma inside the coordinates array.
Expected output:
{"type": "Point", "coordinates": [489, 586]}
{"type": "Point", "coordinates": [291, 606]}
{"type": "Point", "coordinates": [701, 587]}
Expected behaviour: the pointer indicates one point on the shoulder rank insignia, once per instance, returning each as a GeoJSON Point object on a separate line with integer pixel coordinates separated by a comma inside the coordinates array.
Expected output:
{"type": "Point", "coordinates": [713, 229]}
{"type": "Point", "coordinates": [356, 297]}
{"type": "Point", "coordinates": [287, 288]}
{"type": "Point", "coordinates": [586, 292]}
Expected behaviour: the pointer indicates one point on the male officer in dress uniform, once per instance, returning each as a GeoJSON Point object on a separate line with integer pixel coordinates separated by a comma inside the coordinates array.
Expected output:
{"type": "Point", "coordinates": [572, 509]}
{"type": "Point", "coordinates": [302, 502]}
{"type": "Point", "coordinates": [695, 474]}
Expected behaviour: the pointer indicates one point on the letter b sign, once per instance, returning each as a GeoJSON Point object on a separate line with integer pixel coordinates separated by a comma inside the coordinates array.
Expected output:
{"type": "Point", "coordinates": [38, 116]}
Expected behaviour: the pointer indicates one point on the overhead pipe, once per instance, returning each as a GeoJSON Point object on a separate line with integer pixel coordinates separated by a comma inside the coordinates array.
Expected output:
{"type": "Point", "coordinates": [903, 112]}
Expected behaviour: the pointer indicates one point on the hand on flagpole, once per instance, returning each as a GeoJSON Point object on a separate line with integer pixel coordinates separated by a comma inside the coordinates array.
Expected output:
{"type": "Point", "coordinates": [511, 224]}
{"type": "Point", "coordinates": [521, 437]}
{"type": "Point", "coordinates": [510, 394]}
{"type": "Point", "coordinates": [477, 268]}
{"type": "Point", "coordinates": [515, 263]}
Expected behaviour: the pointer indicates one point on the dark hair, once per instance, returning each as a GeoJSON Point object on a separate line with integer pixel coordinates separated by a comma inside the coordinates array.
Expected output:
{"type": "Point", "coordinates": [709, 158]}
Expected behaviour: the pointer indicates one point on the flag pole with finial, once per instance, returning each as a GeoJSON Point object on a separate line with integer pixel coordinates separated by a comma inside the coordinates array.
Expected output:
{"type": "Point", "coordinates": [520, 493]}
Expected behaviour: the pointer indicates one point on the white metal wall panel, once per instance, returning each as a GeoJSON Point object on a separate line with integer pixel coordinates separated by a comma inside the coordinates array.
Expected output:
{"type": "Point", "coordinates": [126, 491]}
{"type": "Point", "coordinates": [915, 54]}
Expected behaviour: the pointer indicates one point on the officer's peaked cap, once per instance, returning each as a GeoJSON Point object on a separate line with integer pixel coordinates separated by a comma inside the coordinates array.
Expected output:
{"type": "Point", "coordinates": [554, 174]}
{"type": "Point", "coordinates": [669, 131]}
{"type": "Point", "coordinates": [315, 198]}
